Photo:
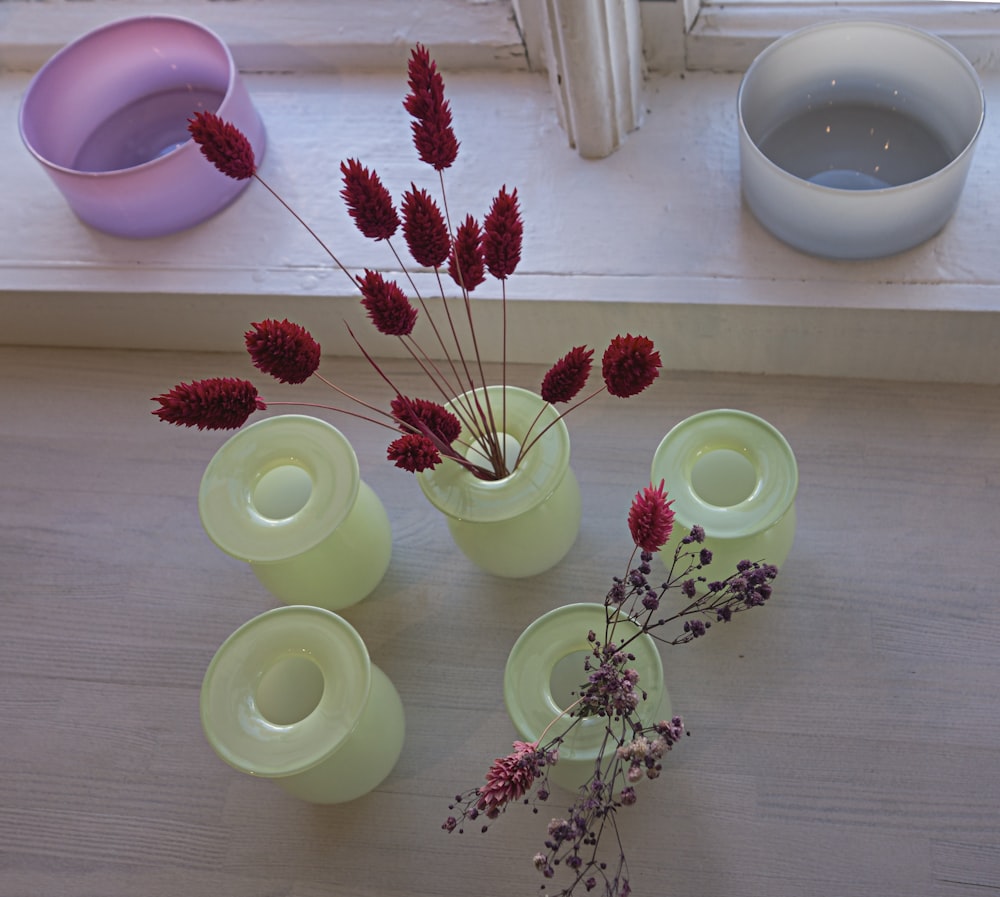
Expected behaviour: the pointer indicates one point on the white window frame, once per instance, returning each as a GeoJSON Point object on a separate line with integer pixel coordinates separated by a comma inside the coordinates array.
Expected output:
{"type": "Point", "coordinates": [682, 261]}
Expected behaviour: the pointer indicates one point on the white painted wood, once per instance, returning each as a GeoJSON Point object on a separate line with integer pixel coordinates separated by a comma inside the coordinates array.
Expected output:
{"type": "Point", "coordinates": [727, 36]}
{"type": "Point", "coordinates": [653, 237]}
{"type": "Point", "coordinates": [594, 60]}
{"type": "Point", "coordinates": [844, 737]}
{"type": "Point", "coordinates": [283, 36]}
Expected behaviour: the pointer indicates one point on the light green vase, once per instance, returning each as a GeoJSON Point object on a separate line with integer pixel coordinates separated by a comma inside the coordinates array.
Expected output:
{"type": "Point", "coordinates": [525, 523]}
{"type": "Point", "coordinates": [733, 474]}
{"type": "Point", "coordinates": [546, 665]}
{"type": "Point", "coordinates": [285, 494]}
{"type": "Point", "coordinates": [293, 696]}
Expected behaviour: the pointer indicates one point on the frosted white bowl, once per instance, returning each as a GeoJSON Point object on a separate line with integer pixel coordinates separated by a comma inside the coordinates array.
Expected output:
{"type": "Point", "coordinates": [856, 137]}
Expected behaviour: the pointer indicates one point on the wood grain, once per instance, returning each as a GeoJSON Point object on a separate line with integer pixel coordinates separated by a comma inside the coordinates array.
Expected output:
{"type": "Point", "coordinates": [845, 737]}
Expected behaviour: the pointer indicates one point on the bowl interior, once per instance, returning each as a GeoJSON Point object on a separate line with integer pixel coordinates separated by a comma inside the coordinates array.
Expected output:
{"type": "Point", "coordinates": [861, 105]}
{"type": "Point", "coordinates": [121, 96]}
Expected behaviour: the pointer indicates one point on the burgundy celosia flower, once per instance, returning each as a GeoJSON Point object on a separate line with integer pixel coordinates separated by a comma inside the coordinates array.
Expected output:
{"type": "Point", "coordinates": [567, 376]}
{"type": "Point", "coordinates": [282, 349]}
{"type": "Point", "coordinates": [651, 519]}
{"type": "Point", "coordinates": [219, 403]}
{"type": "Point", "coordinates": [413, 452]}
{"type": "Point", "coordinates": [223, 144]}
{"type": "Point", "coordinates": [424, 228]}
{"type": "Point", "coordinates": [502, 233]}
{"type": "Point", "coordinates": [465, 265]}
{"type": "Point", "coordinates": [368, 201]}
{"type": "Point", "coordinates": [629, 365]}
{"type": "Point", "coordinates": [432, 132]}
{"type": "Point", "coordinates": [387, 306]}
{"type": "Point", "coordinates": [422, 413]}
{"type": "Point", "coordinates": [509, 778]}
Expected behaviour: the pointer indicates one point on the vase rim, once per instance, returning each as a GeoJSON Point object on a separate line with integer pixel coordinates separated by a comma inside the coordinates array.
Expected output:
{"type": "Point", "coordinates": [234, 723]}
{"type": "Point", "coordinates": [226, 496]}
{"type": "Point", "coordinates": [555, 635]}
{"type": "Point", "coordinates": [757, 441]}
{"type": "Point", "coordinates": [456, 492]}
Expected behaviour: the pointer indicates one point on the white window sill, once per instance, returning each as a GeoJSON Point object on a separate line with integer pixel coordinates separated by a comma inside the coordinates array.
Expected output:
{"type": "Point", "coordinates": [653, 239]}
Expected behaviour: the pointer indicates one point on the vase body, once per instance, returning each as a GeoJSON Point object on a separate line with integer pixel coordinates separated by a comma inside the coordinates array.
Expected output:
{"type": "Point", "coordinates": [546, 665]}
{"type": "Point", "coordinates": [733, 474]}
{"type": "Point", "coordinates": [285, 494]}
{"type": "Point", "coordinates": [293, 696]}
{"type": "Point", "coordinates": [523, 524]}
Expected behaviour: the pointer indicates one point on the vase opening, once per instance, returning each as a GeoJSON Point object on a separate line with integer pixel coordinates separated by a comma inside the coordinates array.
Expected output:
{"type": "Point", "coordinates": [478, 453]}
{"type": "Point", "coordinates": [290, 690]}
{"type": "Point", "coordinates": [282, 492]}
{"type": "Point", "coordinates": [566, 678]}
{"type": "Point", "coordinates": [723, 478]}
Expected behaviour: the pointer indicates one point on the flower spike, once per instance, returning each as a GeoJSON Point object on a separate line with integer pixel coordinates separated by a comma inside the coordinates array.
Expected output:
{"type": "Point", "coordinates": [224, 145]}
{"type": "Point", "coordinates": [503, 231]}
{"type": "Point", "coordinates": [428, 417]}
{"type": "Point", "coordinates": [629, 365]}
{"type": "Point", "coordinates": [413, 452]}
{"type": "Point", "coordinates": [651, 519]}
{"type": "Point", "coordinates": [387, 305]}
{"type": "Point", "coordinates": [368, 201]}
{"type": "Point", "coordinates": [567, 376]}
{"type": "Point", "coordinates": [218, 403]}
{"type": "Point", "coordinates": [424, 228]}
{"type": "Point", "coordinates": [284, 350]}
{"type": "Point", "coordinates": [432, 132]}
{"type": "Point", "coordinates": [510, 777]}
{"type": "Point", "coordinates": [466, 263]}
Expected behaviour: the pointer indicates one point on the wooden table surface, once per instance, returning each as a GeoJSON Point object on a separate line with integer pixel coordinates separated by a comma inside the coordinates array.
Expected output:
{"type": "Point", "coordinates": [845, 738]}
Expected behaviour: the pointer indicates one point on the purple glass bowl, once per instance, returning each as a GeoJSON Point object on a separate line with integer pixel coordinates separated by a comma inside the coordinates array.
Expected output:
{"type": "Point", "coordinates": [107, 119]}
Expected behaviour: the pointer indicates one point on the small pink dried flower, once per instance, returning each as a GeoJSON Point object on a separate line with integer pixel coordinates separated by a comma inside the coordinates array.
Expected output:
{"type": "Point", "coordinates": [502, 235]}
{"type": "Point", "coordinates": [567, 376]}
{"type": "Point", "coordinates": [425, 415]}
{"type": "Point", "coordinates": [432, 132]}
{"type": "Point", "coordinates": [387, 305]}
{"type": "Point", "coordinates": [413, 452]}
{"type": "Point", "coordinates": [424, 228]}
{"type": "Point", "coordinates": [282, 349]}
{"type": "Point", "coordinates": [651, 519]}
{"type": "Point", "coordinates": [224, 145]}
{"type": "Point", "coordinates": [368, 201]}
{"type": "Point", "coordinates": [629, 365]}
{"type": "Point", "coordinates": [466, 265]}
{"type": "Point", "coordinates": [218, 403]}
{"type": "Point", "coordinates": [509, 778]}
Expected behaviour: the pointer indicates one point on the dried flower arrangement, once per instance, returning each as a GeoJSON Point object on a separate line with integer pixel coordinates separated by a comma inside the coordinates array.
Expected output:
{"type": "Point", "coordinates": [610, 689]}
{"type": "Point", "coordinates": [425, 430]}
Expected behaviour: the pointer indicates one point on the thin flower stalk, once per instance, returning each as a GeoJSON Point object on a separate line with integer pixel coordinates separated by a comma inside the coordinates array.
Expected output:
{"type": "Point", "coordinates": [584, 842]}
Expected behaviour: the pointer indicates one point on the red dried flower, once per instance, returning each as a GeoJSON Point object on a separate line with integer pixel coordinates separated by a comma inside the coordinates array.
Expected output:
{"type": "Point", "coordinates": [465, 265]}
{"type": "Point", "coordinates": [424, 414]}
{"type": "Point", "coordinates": [503, 231]}
{"type": "Point", "coordinates": [629, 365]}
{"type": "Point", "coordinates": [413, 452]}
{"type": "Point", "coordinates": [424, 228]}
{"type": "Point", "coordinates": [368, 201]}
{"type": "Point", "coordinates": [219, 403]}
{"type": "Point", "coordinates": [568, 375]}
{"type": "Point", "coordinates": [282, 349]}
{"type": "Point", "coordinates": [432, 132]}
{"type": "Point", "coordinates": [387, 305]}
{"type": "Point", "coordinates": [509, 778]}
{"type": "Point", "coordinates": [651, 519]}
{"type": "Point", "coordinates": [223, 144]}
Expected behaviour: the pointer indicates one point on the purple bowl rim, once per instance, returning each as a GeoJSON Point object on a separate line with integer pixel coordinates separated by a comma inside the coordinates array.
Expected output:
{"type": "Point", "coordinates": [94, 33]}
